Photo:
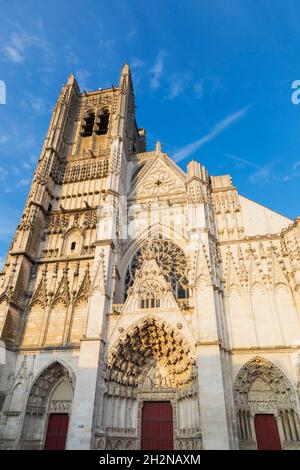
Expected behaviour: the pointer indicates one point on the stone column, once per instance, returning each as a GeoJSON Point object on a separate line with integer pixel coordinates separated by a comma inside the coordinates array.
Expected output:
{"type": "Point", "coordinates": [81, 426]}
{"type": "Point", "coordinates": [211, 395]}
{"type": "Point", "coordinates": [211, 389]}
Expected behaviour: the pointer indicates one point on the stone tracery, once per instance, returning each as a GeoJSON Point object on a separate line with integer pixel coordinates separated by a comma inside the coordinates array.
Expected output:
{"type": "Point", "coordinates": [151, 361]}
{"type": "Point", "coordinates": [270, 373]}
{"type": "Point", "coordinates": [261, 387]}
{"type": "Point", "coordinates": [169, 257]}
{"type": "Point", "coordinates": [40, 403]}
{"type": "Point", "coordinates": [239, 250]}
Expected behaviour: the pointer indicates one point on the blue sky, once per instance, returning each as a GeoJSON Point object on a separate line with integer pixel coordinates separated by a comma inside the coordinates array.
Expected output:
{"type": "Point", "coordinates": [212, 82]}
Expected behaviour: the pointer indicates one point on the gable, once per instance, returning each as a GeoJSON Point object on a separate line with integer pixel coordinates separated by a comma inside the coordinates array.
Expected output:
{"type": "Point", "coordinates": [150, 283]}
{"type": "Point", "coordinates": [163, 177]}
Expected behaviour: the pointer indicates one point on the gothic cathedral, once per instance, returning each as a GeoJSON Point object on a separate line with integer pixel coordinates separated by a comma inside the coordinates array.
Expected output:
{"type": "Point", "coordinates": [142, 306]}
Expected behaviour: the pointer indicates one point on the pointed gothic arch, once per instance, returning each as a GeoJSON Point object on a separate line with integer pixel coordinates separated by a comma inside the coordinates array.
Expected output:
{"type": "Point", "coordinates": [157, 230]}
{"type": "Point", "coordinates": [150, 338]}
{"type": "Point", "coordinates": [102, 120]}
{"type": "Point", "coordinates": [260, 367]}
{"type": "Point", "coordinates": [87, 124]}
{"type": "Point", "coordinates": [72, 241]}
{"type": "Point", "coordinates": [170, 258]}
{"type": "Point", "coordinates": [43, 399]}
{"type": "Point", "coordinates": [261, 387]}
{"type": "Point", "coordinates": [263, 314]}
{"type": "Point", "coordinates": [78, 319]}
{"type": "Point", "coordinates": [56, 322]}
{"type": "Point", "coordinates": [287, 312]}
{"type": "Point", "coordinates": [151, 360]}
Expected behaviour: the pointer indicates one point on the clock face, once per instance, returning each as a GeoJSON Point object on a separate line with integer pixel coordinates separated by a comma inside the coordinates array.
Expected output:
{"type": "Point", "coordinates": [159, 183]}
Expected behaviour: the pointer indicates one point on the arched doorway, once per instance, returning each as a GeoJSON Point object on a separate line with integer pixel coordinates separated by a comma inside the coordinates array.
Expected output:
{"type": "Point", "coordinates": [48, 409]}
{"type": "Point", "coordinates": [266, 407]}
{"type": "Point", "coordinates": [150, 377]}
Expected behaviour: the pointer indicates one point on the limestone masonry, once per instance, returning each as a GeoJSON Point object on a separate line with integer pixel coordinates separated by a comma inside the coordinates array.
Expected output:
{"type": "Point", "coordinates": [131, 285]}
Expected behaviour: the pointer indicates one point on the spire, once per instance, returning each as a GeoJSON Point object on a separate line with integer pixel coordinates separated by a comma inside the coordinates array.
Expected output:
{"type": "Point", "coordinates": [72, 81]}
{"type": "Point", "coordinates": [125, 79]}
{"type": "Point", "coordinates": [125, 69]}
{"type": "Point", "coordinates": [158, 147]}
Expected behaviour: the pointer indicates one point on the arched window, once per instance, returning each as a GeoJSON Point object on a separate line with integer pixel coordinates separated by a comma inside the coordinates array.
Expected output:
{"type": "Point", "coordinates": [169, 257]}
{"type": "Point", "coordinates": [72, 242]}
{"type": "Point", "coordinates": [102, 123]}
{"type": "Point", "coordinates": [88, 124]}
{"type": "Point", "coordinates": [150, 302]}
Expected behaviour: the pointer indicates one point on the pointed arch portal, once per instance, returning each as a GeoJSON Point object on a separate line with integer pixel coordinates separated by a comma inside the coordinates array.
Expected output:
{"type": "Point", "coordinates": [266, 407]}
{"type": "Point", "coordinates": [48, 409]}
{"type": "Point", "coordinates": [151, 390]}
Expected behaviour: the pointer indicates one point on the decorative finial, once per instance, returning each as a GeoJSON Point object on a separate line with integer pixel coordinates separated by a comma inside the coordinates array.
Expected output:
{"type": "Point", "coordinates": [158, 147]}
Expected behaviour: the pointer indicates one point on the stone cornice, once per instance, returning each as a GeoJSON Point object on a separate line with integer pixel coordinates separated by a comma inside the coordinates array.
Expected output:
{"type": "Point", "coordinates": [105, 242]}
{"type": "Point", "coordinates": [63, 259]}
{"type": "Point", "coordinates": [254, 238]}
{"type": "Point", "coordinates": [22, 253]}
{"type": "Point", "coordinates": [70, 211]}
{"type": "Point", "coordinates": [263, 349]}
{"type": "Point", "coordinates": [46, 349]}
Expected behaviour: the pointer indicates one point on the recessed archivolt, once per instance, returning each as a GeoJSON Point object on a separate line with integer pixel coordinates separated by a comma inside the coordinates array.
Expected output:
{"type": "Point", "coordinates": [265, 370]}
{"type": "Point", "coordinates": [45, 383]}
{"type": "Point", "coordinates": [150, 341]}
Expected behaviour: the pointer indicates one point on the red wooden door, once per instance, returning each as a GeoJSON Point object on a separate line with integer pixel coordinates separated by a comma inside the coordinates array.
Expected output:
{"type": "Point", "coordinates": [267, 434]}
{"type": "Point", "coordinates": [157, 426]}
{"type": "Point", "coordinates": [57, 431]}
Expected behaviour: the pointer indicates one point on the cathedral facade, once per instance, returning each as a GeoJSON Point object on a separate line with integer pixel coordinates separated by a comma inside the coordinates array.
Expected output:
{"type": "Point", "coordinates": [141, 306]}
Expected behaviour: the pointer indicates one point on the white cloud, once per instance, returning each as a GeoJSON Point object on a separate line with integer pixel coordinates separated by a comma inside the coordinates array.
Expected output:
{"type": "Point", "coordinates": [71, 56]}
{"type": "Point", "coordinates": [261, 175]}
{"type": "Point", "coordinates": [221, 126]}
{"type": "Point", "coordinates": [15, 170]}
{"type": "Point", "coordinates": [131, 35]}
{"type": "Point", "coordinates": [241, 160]}
{"type": "Point", "coordinates": [287, 178]}
{"type": "Point", "coordinates": [157, 70]}
{"type": "Point", "coordinates": [27, 165]}
{"type": "Point", "coordinates": [20, 41]}
{"type": "Point", "coordinates": [137, 63]}
{"type": "Point", "coordinates": [177, 85]}
{"type": "Point", "coordinates": [24, 182]}
{"type": "Point", "coordinates": [36, 104]}
{"type": "Point", "coordinates": [296, 165]}
{"type": "Point", "coordinates": [3, 173]}
{"type": "Point", "coordinates": [209, 84]}
{"type": "Point", "coordinates": [199, 89]}
{"type": "Point", "coordinates": [106, 43]}
{"type": "Point", "coordinates": [13, 54]}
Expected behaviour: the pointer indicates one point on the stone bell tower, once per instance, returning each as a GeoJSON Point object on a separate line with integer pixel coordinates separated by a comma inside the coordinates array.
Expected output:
{"type": "Point", "coordinates": [137, 293]}
{"type": "Point", "coordinates": [55, 259]}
